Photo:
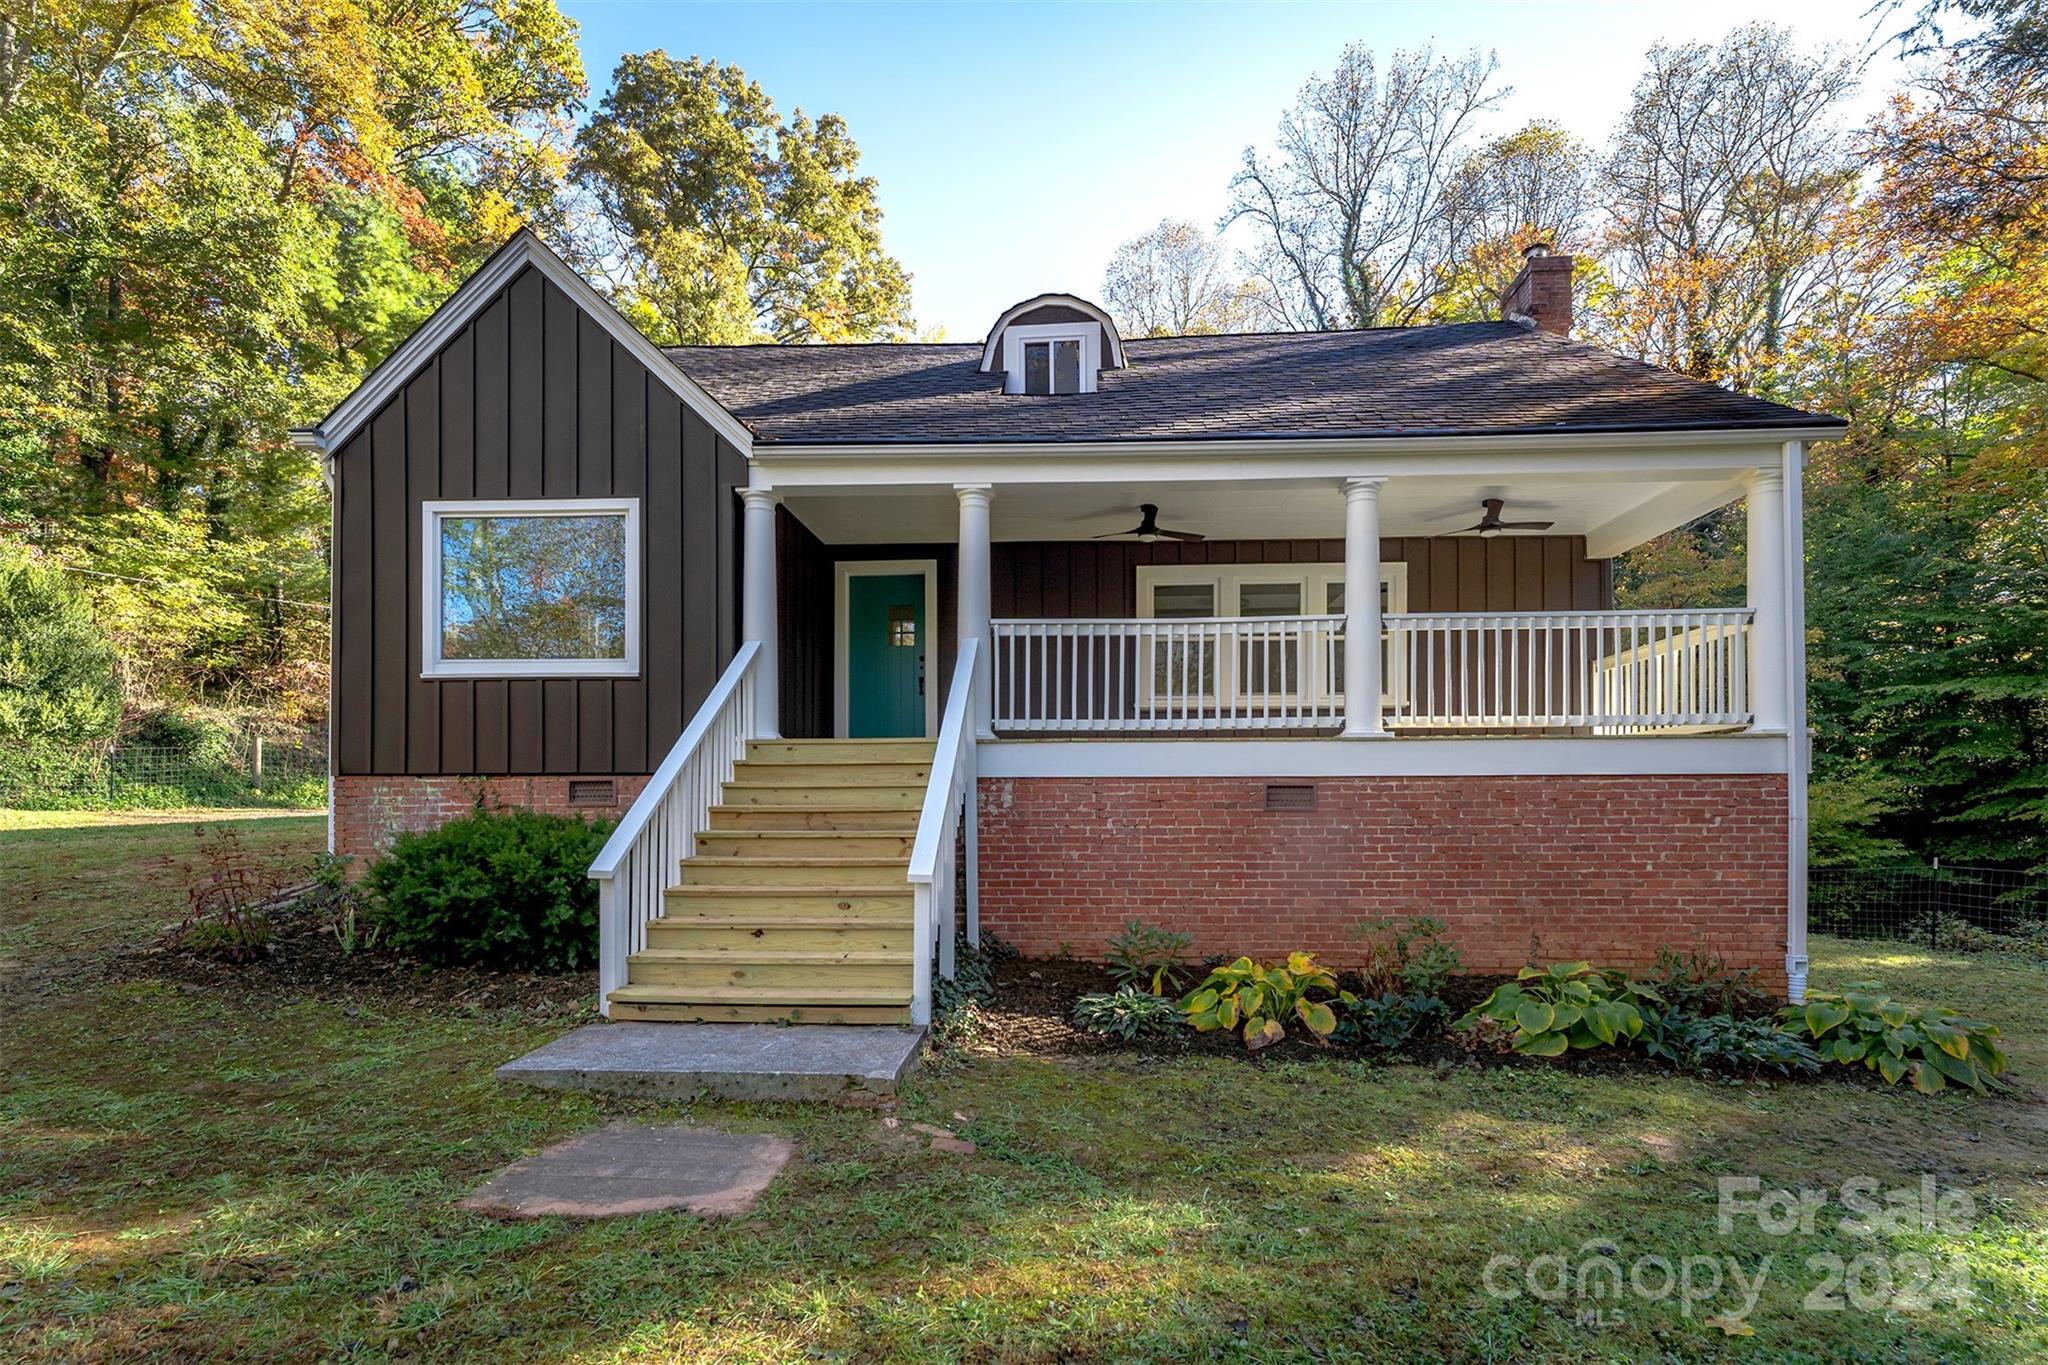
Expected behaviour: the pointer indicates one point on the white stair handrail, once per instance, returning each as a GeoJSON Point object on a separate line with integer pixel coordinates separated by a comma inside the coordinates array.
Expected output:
{"type": "Point", "coordinates": [948, 799]}
{"type": "Point", "coordinates": [637, 864]}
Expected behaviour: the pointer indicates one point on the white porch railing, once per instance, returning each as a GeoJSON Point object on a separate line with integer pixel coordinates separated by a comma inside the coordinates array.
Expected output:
{"type": "Point", "coordinates": [949, 810]}
{"type": "Point", "coordinates": [642, 858]}
{"type": "Point", "coordinates": [1177, 674]}
{"type": "Point", "coordinates": [1610, 671]}
{"type": "Point", "coordinates": [1604, 672]}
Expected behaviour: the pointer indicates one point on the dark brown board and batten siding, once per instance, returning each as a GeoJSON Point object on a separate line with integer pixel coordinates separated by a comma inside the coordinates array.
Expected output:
{"type": "Point", "coordinates": [532, 399]}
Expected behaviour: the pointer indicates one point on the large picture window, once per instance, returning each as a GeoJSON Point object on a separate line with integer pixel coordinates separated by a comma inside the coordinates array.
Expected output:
{"type": "Point", "coordinates": [531, 589]}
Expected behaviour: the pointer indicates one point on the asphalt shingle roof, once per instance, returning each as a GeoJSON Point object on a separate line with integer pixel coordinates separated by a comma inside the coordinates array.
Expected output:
{"type": "Point", "coordinates": [1453, 379]}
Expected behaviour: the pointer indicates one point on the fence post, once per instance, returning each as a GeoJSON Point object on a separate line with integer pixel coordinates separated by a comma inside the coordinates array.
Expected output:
{"type": "Point", "coordinates": [256, 762]}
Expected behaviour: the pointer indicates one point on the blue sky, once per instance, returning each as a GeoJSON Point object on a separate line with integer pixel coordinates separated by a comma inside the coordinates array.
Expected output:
{"type": "Point", "coordinates": [1017, 145]}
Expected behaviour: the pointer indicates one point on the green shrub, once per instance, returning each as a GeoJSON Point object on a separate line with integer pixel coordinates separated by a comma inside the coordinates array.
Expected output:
{"type": "Point", "coordinates": [1567, 1005]}
{"type": "Point", "coordinates": [1725, 1042]}
{"type": "Point", "coordinates": [57, 681]}
{"type": "Point", "coordinates": [1389, 1019]}
{"type": "Point", "coordinates": [1127, 1013]}
{"type": "Point", "coordinates": [498, 888]}
{"type": "Point", "coordinates": [1405, 956]}
{"type": "Point", "coordinates": [1932, 1045]}
{"type": "Point", "coordinates": [1243, 992]}
{"type": "Point", "coordinates": [1149, 957]}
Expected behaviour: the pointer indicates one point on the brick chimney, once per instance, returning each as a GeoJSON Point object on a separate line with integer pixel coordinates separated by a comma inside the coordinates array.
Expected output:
{"type": "Point", "coordinates": [1541, 295]}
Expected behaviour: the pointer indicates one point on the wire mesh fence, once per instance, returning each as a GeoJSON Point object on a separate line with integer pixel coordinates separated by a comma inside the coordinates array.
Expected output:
{"type": "Point", "coordinates": [253, 770]}
{"type": "Point", "coordinates": [1936, 904]}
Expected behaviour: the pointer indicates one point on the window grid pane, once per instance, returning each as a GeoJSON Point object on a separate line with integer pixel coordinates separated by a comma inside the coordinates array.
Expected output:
{"type": "Point", "coordinates": [1066, 367]}
{"type": "Point", "coordinates": [1037, 367]}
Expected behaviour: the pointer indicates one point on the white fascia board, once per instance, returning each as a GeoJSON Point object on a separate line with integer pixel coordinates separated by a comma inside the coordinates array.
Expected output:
{"type": "Point", "coordinates": [524, 249]}
{"type": "Point", "coordinates": [1594, 756]}
{"type": "Point", "coordinates": [1668, 510]}
{"type": "Point", "coordinates": [1712, 457]}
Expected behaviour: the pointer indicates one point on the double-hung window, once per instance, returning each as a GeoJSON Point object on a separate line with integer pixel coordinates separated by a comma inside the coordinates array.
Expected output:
{"type": "Point", "coordinates": [1052, 358]}
{"type": "Point", "coordinates": [531, 589]}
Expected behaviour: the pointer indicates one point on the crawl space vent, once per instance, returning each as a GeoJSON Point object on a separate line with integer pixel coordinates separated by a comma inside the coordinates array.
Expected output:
{"type": "Point", "coordinates": [594, 793]}
{"type": "Point", "coordinates": [1290, 796]}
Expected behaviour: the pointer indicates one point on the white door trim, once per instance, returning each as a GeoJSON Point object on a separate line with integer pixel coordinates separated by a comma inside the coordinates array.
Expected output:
{"type": "Point", "coordinates": [876, 568]}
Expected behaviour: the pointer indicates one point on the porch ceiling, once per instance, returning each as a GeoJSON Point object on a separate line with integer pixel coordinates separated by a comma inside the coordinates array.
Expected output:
{"type": "Point", "coordinates": [1612, 513]}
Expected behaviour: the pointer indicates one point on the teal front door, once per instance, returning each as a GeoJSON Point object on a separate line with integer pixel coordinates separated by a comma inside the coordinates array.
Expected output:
{"type": "Point", "coordinates": [885, 653]}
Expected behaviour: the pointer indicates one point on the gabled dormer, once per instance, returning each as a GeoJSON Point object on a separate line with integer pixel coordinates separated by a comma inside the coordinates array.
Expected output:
{"type": "Point", "coordinates": [1052, 344]}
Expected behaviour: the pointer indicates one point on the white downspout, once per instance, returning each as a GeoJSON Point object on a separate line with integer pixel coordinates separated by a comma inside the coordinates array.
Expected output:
{"type": "Point", "coordinates": [1798, 735]}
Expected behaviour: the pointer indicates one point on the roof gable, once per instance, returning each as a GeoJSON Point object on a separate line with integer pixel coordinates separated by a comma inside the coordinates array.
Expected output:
{"type": "Point", "coordinates": [521, 251]}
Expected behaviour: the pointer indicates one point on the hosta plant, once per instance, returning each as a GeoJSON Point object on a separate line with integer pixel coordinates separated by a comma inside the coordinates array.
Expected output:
{"type": "Point", "coordinates": [1567, 1005]}
{"type": "Point", "coordinates": [1930, 1045]}
{"type": "Point", "coordinates": [1725, 1042]}
{"type": "Point", "coordinates": [1127, 1013]}
{"type": "Point", "coordinates": [1257, 998]}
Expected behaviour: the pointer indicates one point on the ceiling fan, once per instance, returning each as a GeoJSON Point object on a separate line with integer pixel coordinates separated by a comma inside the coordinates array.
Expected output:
{"type": "Point", "coordinates": [1491, 524]}
{"type": "Point", "coordinates": [1149, 530]}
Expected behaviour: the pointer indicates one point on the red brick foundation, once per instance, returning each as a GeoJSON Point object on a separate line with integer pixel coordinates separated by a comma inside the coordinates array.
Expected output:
{"type": "Point", "coordinates": [370, 811]}
{"type": "Point", "coordinates": [1609, 869]}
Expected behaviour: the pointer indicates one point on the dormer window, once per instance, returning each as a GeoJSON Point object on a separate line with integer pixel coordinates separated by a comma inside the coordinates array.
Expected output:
{"type": "Point", "coordinates": [1051, 345]}
{"type": "Point", "coordinates": [1053, 366]}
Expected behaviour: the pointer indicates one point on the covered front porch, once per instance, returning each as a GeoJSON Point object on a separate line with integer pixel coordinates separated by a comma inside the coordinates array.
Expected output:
{"type": "Point", "coordinates": [1343, 605]}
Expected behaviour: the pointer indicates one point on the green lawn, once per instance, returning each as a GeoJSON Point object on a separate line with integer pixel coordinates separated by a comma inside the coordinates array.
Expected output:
{"type": "Point", "coordinates": [185, 1174]}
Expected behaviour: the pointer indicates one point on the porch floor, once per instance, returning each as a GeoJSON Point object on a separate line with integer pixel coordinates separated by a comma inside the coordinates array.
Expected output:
{"type": "Point", "coordinates": [842, 1063]}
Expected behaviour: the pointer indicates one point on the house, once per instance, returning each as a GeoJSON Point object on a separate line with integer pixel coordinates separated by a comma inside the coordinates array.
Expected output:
{"type": "Point", "coordinates": [1255, 636]}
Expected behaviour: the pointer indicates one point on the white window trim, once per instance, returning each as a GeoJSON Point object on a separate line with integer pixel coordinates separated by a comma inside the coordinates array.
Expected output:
{"type": "Point", "coordinates": [432, 665]}
{"type": "Point", "coordinates": [841, 653]}
{"type": "Point", "coordinates": [1089, 334]}
{"type": "Point", "coordinates": [1314, 580]}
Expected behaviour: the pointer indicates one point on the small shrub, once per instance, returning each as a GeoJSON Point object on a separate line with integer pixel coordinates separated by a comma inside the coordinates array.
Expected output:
{"type": "Point", "coordinates": [1388, 1020]}
{"type": "Point", "coordinates": [1127, 1013]}
{"type": "Point", "coordinates": [1725, 1042]}
{"type": "Point", "coordinates": [1258, 998]}
{"type": "Point", "coordinates": [1931, 1045]}
{"type": "Point", "coordinates": [1565, 1006]}
{"type": "Point", "coordinates": [957, 1001]}
{"type": "Point", "coordinates": [1701, 983]}
{"type": "Point", "coordinates": [497, 888]}
{"type": "Point", "coordinates": [227, 909]}
{"type": "Point", "coordinates": [1406, 956]}
{"type": "Point", "coordinates": [1149, 957]}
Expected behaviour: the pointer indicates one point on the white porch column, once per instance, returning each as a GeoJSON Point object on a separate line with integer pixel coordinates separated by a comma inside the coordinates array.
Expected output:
{"type": "Point", "coordinates": [758, 606]}
{"type": "Point", "coordinates": [1362, 609]}
{"type": "Point", "coordinates": [974, 594]}
{"type": "Point", "coordinates": [1767, 638]}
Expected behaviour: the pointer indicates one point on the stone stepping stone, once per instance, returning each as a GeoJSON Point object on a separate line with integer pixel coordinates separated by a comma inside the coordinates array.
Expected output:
{"type": "Point", "coordinates": [628, 1168]}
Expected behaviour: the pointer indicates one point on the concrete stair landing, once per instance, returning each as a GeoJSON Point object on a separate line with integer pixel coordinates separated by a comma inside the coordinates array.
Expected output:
{"type": "Point", "coordinates": [795, 906]}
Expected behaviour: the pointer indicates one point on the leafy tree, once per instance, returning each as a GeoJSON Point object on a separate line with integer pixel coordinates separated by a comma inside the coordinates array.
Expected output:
{"type": "Point", "coordinates": [1175, 280]}
{"type": "Point", "coordinates": [730, 222]}
{"type": "Point", "coordinates": [57, 682]}
{"type": "Point", "coordinates": [1534, 185]}
{"type": "Point", "coordinates": [1352, 218]}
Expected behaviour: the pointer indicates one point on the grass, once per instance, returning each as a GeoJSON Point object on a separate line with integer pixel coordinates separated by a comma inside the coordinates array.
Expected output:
{"type": "Point", "coordinates": [187, 1176]}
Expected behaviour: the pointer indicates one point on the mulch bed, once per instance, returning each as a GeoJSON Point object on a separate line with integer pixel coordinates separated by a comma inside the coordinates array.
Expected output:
{"type": "Point", "coordinates": [305, 961]}
{"type": "Point", "coordinates": [1032, 1016]}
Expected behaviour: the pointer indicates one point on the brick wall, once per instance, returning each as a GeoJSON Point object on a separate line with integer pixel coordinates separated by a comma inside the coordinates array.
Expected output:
{"type": "Point", "coordinates": [1604, 868]}
{"type": "Point", "coordinates": [369, 811]}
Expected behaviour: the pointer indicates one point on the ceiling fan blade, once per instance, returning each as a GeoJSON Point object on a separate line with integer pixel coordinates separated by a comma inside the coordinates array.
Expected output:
{"type": "Point", "coordinates": [1180, 535]}
{"type": "Point", "coordinates": [1462, 530]}
{"type": "Point", "coordinates": [1526, 525]}
{"type": "Point", "coordinates": [1112, 535]}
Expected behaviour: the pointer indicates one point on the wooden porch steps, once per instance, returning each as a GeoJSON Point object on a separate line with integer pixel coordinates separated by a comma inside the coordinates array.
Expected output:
{"type": "Point", "coordinates": [795, 906]}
